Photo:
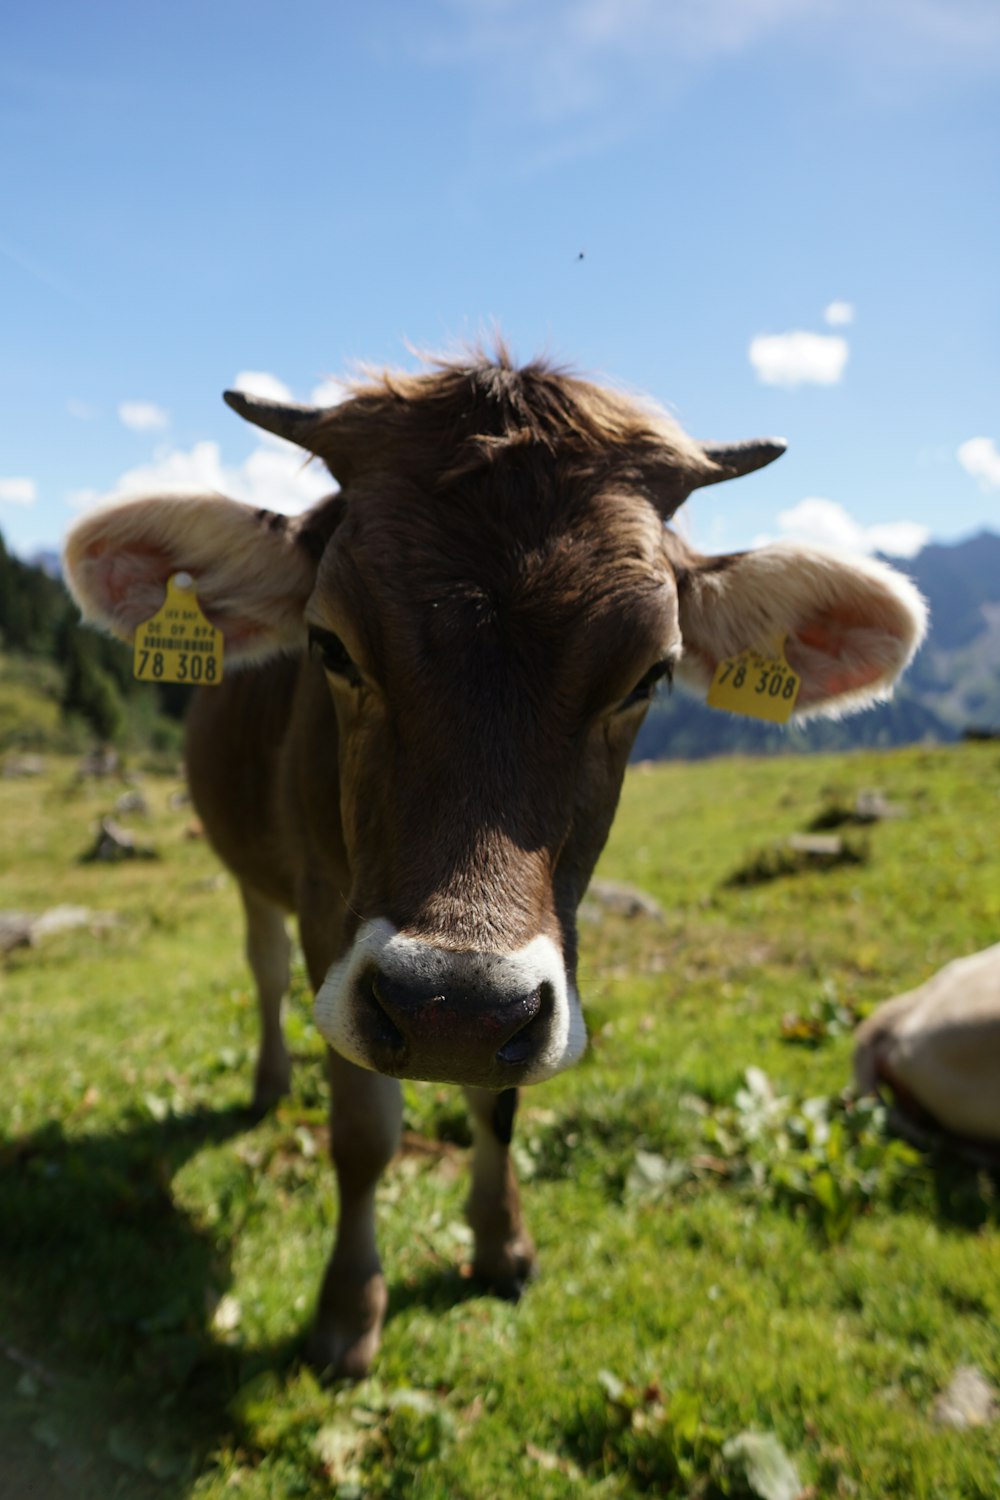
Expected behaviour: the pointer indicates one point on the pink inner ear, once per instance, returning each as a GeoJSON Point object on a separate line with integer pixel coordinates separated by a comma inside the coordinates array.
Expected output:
{"type": "Point", "coordinates": [123, 576]}
{"type": "Point", "coordinates": [833, 656]}
{"type": "Point", "coordinates": [127, 587]}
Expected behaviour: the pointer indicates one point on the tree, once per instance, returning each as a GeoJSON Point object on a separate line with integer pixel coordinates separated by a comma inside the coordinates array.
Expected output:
{"type": "Point", "coordinates": [88, 689]}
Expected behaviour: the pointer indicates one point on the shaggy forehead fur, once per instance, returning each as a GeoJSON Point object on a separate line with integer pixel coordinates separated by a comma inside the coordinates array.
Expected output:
{"type": "Point", "coordinates": [460, 415]}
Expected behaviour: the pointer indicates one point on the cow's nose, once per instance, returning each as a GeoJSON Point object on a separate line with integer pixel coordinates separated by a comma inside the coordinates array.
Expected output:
{"type": "Point", "coordinates": [407, 1008]}
{"type": "Point", "coordinates": [437, 1024]}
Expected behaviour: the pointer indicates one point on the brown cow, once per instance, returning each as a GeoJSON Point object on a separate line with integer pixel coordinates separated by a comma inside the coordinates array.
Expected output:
{"type": "Point", "coordinates": [490, 601]}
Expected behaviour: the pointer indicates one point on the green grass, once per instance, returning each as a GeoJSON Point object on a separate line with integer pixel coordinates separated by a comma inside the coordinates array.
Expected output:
{"type": "Point", "coordinates": [715, 1257]}
{"type": "Point", "coordinates": [29, 705]}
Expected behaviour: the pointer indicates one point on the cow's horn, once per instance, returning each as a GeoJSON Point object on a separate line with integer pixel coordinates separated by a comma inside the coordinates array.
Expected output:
{"type": "Point", "coordinates": [286, 419]}
{"type": "Point", "coordinates": [735, 459]}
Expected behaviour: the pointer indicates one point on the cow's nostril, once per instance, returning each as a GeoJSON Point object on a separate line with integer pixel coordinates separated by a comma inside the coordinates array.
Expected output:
{"type": "Point", "coordinates": [397, 995]}
{"type": "Point", "coordinates": [385, 1029]}
{"type": "Point", "coordinates": [532, 1030]}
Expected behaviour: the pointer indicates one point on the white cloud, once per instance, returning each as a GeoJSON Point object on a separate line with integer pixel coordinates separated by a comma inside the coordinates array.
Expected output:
{"type": "Point", "coordinates": [143, 416]}
{"type": "Point", "coordinates": [981, 458]}
{"type": "Point", "coordinates": [82, 499]}
{"type": "Point", "coordinates": [274, 477]}
{"type": "Point", "coordinates": [798, 358]}
{"type": "Point", "coordinates": [838, 314]}
{"type": "Point", "coordinates": [262, 383]}
{"type": "Point", "coordinates": [830, 525]}
{"type": "Point", "coordinates": [329, 393]}
{"type": "Point", "coordinates": [81, 410]}
{"type": "Point", "coordinates": [18, 491]}
{"type": "Point", "coordinates": [567, 58]}
{"type": "Point", "coordinates": [557, 62]}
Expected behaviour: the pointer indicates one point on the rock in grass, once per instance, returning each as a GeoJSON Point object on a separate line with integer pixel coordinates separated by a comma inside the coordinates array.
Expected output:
{"type": "Point", "coordinates": [967, 1401]}
{"type": "Point", "coordinates": [19, 929]}
{"type": "Point", "coordinates": [819, 845]}
{"type": "Point", "coordinates": [98, 764]}
{"type": "Point", "coordinates": [869, 806]}
{"type": "Point", "coordinates": [115, 843]}
{"type": "Point", "coordinates": [64, 918]}
{"type": "Point", "coordinates": [873, 806]}
{"type": "Point", "coordinates": [16, 766]}
{"type": "Point", "coordinates": [15, 930]}
{"type": "Point", "coordinates": [618, 899]}
{"type": "Point", "coordinates": [132, 802]}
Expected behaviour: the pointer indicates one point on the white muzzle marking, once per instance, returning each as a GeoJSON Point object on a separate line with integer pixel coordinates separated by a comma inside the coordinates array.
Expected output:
{"type": "Point", "coordinates": [379, 945]}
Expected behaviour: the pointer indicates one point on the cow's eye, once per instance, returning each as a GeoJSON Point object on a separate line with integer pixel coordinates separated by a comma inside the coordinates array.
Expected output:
{"type": "Point", "coordinates": [332, 652]}
{"type": "Point", "coordinates": [646, 686]}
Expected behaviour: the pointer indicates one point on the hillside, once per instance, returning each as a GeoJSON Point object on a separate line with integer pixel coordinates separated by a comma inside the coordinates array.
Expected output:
{"type": "Point", "coordinates": [63, 684]}
{"type": "Point", "coordinates": [957, 675]}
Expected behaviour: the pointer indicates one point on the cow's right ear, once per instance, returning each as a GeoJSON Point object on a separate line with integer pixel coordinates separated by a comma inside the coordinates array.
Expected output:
{"type": "Point", "coordinates": [850, 625]}
{"type": "Point", "coordinates": [251, 574]}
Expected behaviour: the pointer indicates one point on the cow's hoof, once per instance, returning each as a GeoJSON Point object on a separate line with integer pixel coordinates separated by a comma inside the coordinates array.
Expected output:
{"type": "Point", "coordinates": [268, 1091]}
{"type": "Point", "coordinates": [341, 1356]}
{"type": "Point", "coordinates": [345, 1340]}
{"type": "Point", "coordinates": [505, 1272]}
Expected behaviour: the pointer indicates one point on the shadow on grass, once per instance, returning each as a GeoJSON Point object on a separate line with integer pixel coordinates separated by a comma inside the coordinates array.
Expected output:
{"type": "Point", "coordinates": [965, 1173]}
{"type": "Point", "coordinates": [967, 1194]}
{"type": "Point", "coordinates": [437, 1289]}
{"type": "Point", "coordinates": [109, 1354]}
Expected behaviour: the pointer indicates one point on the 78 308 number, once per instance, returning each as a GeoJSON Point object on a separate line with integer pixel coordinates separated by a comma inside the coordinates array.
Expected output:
{"type": "Point", "coordinates": [185, 666]}
{"type": "Point", "coordinates": [772, 681]}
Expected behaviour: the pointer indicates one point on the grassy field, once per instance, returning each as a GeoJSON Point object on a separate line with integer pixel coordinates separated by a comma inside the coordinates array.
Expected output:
{"type": "Point", "coordinates": [722, 1253]}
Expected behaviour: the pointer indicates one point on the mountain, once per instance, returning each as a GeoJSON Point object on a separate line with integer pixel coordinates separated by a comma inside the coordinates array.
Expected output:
{"type": "Point", "coordinates": [957, 674]}
{"type": "Point", "coordinates": [952, 686]}
{"type": "Point", "coordinates": [49, 560]}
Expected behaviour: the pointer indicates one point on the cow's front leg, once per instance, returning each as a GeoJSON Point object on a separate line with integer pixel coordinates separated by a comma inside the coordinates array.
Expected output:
{"type": "Point", "coordinates": [504, 1252]}
{"type": "Point", "coordinates": [365, 1120]}
{"type": "Point", "coordinates": [268, 950]}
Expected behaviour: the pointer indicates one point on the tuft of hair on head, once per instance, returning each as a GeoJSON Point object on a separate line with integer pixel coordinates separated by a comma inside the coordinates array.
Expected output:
{"type": "Point", "coordinates": [477, 404]}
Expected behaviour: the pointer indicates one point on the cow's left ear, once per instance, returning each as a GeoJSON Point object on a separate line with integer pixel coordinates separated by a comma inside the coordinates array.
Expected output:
{"type": "Point", "coordinates": [850, 625]}
{"type": "Point", "coordinates": [251, 573]}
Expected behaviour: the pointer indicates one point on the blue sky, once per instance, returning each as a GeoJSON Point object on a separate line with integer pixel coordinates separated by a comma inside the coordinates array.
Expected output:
{"type": "Point", "coordinates": [788, 211]}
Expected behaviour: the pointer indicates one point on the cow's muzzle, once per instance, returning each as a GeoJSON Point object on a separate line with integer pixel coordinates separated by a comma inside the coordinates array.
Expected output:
{"type": "Point", "coordinates": [409, 1009]}
{"type": "Point", "coordinates": [420, 1031]}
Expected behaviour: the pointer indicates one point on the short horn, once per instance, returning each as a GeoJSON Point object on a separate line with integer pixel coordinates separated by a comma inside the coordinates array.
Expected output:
{"type": "Point", "coordinates": [286, 419]}
{"type": "Point", "coordinates": [735, 459]}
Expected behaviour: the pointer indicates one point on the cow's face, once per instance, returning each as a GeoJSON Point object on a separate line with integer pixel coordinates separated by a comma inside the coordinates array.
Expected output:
{"type": "Point", "coordinates": [490, 656]}
{"type": "Point", "coordinates": [492, 599]}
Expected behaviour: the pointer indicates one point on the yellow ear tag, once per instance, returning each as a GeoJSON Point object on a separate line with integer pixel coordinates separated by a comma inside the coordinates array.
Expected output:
{"type": "Point", "coordinates": [178, 644]}
{"type": "Point", "coordinates": [759, 684]}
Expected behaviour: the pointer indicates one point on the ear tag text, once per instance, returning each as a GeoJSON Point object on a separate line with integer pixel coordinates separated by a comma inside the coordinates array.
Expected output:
{"type": "Point", "coordinates": [178, 644]}
{"type": "Point", "coordinates": [759, 684]}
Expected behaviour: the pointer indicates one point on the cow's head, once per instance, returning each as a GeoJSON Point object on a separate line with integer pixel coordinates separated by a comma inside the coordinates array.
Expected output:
{"type": "Point", "coordinates": [493, 597]}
